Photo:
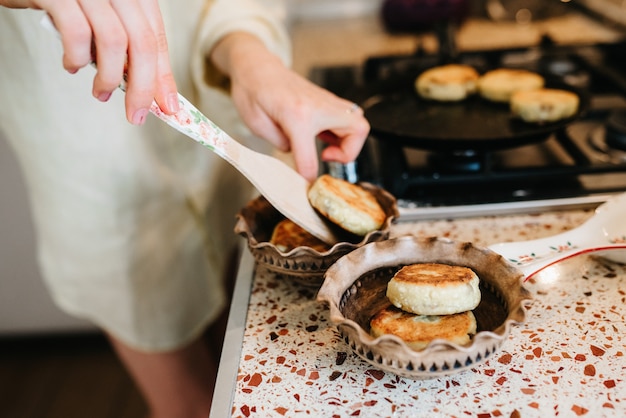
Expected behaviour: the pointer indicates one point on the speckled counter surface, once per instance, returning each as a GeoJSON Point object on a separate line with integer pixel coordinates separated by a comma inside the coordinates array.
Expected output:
{"type": "Point", "coordinates": [284, 359]}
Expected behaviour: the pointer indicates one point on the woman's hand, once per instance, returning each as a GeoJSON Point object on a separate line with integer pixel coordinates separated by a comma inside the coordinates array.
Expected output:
{"type": "Point", "coordinates": [286, 109]}
{"type": "Point", "coordinates": [127, 36]}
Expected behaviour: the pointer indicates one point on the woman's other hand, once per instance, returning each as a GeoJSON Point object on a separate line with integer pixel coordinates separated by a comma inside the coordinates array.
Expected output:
{"type": "Point", "coordinates": [286, 109]}
{"type": "Point", "coordinates": [121, 36]}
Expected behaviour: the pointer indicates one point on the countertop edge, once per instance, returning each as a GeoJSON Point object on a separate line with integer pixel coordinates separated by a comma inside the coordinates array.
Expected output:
{"type": "Point", "coordinates": [233, 340]}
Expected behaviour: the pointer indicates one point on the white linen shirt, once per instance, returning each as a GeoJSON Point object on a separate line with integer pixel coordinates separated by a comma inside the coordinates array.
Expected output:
{"type": "Point", "coordinates": [133, 223]}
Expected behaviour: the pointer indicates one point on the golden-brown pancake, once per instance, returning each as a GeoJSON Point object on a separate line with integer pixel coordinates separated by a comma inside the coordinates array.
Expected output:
{"type": "Point", "coordinates": [498, 85]}
{"type": "Point", "coordinates": [348, 205]}
{"type": "Point", "coordinates": [544, 105]}
{"type": "Point", "coordinates": [451, 82]}
{"type": "Point", "coordinates": [419, 330]}
{"type": "Point", "coordinates": [288, 235]}
{"type": "Point", "coordinates": [434, 289]}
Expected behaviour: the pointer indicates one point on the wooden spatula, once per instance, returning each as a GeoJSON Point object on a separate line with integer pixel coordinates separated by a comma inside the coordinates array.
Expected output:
{"type": "Point", "coordinates": [281, 185]}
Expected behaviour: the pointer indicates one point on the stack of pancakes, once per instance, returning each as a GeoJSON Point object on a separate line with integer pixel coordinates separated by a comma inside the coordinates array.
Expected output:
{"type": "Point", "coordinates": [430, 301]}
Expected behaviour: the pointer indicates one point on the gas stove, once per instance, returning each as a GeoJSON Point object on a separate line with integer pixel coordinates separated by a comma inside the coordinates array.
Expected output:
{"type": "Point", "coordinates": [580, 164]}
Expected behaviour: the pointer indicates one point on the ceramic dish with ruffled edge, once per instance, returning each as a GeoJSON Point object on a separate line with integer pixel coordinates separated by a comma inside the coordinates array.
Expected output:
{"type": "Point", "coordinates": [355, 289]}
{"type": "Point", "coordinates": [305, 265]}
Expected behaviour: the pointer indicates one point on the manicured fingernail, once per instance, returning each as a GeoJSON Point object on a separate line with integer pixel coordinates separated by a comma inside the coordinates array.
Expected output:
{"type": "Point", "coordinates": [140, 116]}
{"type": "Point", "coordinates": [103, 97]}
{"type": "Point", "coordinates": [72, 70]}
{"type": "Point", "coordinates": [172, 102]}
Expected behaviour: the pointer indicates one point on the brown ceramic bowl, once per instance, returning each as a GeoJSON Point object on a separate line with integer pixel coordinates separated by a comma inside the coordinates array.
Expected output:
{"type": "Point", "coordinates": [256, 222]}
{"type": "Point", "coordinates": [355, 289]}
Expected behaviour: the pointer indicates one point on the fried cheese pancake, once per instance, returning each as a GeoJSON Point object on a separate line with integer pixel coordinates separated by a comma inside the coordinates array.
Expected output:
{"type": "Point", "coordinates": [434, 289]}
{"type": "Point", "coordinates": [348, 205]}
{"type": "Point", "coordinates": [419, 330]}
{"type": "Point", "coordinates": [447, 83]}
{"type": "Point", "coordinates": [498, 85]}
{"type": "Point", "coordinates": [544, 105]}
{"type": "Point", "coordinates": [288, 235]}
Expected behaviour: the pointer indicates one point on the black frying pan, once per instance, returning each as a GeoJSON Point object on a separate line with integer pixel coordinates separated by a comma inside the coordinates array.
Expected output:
{"type": "Point", "coordinates": [397, 113]}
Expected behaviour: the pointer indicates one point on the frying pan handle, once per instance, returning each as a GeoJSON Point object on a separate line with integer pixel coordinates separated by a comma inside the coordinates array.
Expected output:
{"type": "Point", "coordinates": [343, 171]}
{"type": "Point", "coordinates": [446, 32]}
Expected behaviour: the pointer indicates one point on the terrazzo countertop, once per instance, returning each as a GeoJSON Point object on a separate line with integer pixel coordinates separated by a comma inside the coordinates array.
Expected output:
{"type": "Point", "coordinates": [283, 358]}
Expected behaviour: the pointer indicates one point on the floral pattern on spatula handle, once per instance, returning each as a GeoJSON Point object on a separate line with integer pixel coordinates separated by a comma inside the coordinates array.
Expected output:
{"type": "Point", "coordinates": [190, 121]}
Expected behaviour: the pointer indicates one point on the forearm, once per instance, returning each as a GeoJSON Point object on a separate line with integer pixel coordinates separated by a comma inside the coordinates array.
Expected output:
{"type": "Point", "coordinates": [238, 53]}
{"type": "Point", "coordinates": [227, 22]}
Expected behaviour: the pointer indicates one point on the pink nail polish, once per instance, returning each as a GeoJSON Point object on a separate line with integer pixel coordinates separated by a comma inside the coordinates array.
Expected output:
{"type": "Point", "coordinates": [104, 97]}
{"type": "Point", "coordinates": [140, 116]}
{"type": "Point", "coordinates": [172, 103]}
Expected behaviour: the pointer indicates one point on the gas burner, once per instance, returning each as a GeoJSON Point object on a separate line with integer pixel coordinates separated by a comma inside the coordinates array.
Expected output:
{"type": "Point", "coordinates": [599, 142]}
{"type": "Point", "coordinates": [616, 130]}
{"type": "Point", "coordinates": [466, 161]}
{"type": "Point", "coordinates": [609, 139]}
